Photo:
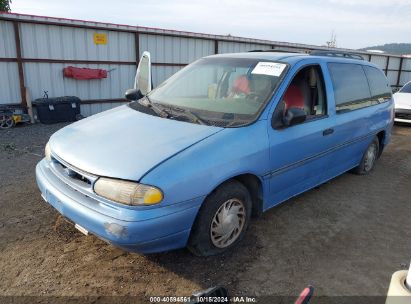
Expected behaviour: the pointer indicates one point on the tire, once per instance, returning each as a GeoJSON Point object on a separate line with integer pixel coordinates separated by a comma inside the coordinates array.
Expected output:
{"type": "Point", "coordinates": [6, 121]}
{"type": "Point", "coordinates": [369, 158]}
{"type": "Point", "coordinates": [208, 235]}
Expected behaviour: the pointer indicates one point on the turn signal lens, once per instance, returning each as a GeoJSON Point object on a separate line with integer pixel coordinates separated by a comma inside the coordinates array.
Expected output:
{"type": "Point", "coordinates": [128, 193]}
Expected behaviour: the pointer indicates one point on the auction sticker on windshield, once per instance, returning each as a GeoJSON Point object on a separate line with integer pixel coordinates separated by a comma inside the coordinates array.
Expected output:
{"type": "Point", "coordinates": [269, 68]}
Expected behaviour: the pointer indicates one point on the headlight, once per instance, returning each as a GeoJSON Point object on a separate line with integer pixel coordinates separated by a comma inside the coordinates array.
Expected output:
{"type": "Point", "coordinates": [129, 193]}
{"type": "Point", "coordinates": [47, 152]}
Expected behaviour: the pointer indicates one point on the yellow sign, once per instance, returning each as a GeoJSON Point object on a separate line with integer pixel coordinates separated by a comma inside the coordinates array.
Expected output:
{"type": "Point", "coordinates": [100, 38]}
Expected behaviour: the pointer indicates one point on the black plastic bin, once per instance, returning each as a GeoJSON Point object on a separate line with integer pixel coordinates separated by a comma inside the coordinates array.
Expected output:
{"type": "Point", "coordinates": [59, 109]}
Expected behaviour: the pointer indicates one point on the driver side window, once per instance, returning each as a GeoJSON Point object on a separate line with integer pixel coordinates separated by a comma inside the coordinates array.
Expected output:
{"type": "Point", "coordinates": [305, 92]}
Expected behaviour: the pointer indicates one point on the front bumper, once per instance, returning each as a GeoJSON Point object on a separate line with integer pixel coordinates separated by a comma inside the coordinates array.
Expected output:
{"type": "Point", "coordinates": [144, 230]}
{"type": "Point", "coordinates": [402, 115]}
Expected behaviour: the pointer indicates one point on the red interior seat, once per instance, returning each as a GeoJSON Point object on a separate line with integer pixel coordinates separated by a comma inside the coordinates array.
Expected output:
{"type": "Point", "coordinates": [241, 85]}
{"type": "Point", "coordinates": [293, 97]}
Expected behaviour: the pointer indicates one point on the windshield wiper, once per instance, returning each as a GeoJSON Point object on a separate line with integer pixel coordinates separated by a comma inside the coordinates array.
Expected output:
{"type": "Point", "coordinates": [235, 123]}
{"type": "Point", "coordinates": [149, 104]}
{"type": "Point", "coordinates": [176, 112]}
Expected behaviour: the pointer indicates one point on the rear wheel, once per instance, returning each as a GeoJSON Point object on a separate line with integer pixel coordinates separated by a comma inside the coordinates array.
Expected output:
{"type": "Point", "coordinates": [222, 220]}
{"type": "Point", "coordinates": [369, 158]}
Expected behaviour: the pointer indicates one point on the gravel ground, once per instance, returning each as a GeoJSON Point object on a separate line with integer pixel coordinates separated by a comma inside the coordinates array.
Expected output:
{"type": "Point", "coordinates": [346, 237]}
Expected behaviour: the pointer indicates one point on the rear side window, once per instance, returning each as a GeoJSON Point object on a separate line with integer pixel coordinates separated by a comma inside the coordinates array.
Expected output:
{"type": "Point", "coordinates": [379, 87]}
{"type": "Point", "coordinates": [351, 90]}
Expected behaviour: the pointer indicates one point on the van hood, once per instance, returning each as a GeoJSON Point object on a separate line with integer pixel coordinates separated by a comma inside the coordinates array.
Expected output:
{"type": "Point", "coordinates": [124, 143]}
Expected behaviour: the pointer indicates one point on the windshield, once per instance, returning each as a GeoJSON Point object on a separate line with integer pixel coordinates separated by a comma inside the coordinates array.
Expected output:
{"type": "Point", "coordinates": [406, 88]}
{"type": "Point", "coordinates": [220, 91]}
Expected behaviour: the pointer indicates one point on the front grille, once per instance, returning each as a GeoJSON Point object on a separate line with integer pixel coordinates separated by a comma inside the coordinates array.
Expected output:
{"type": "Point", "coordinates": [74, 175]}
{"type": "Point", "coordinates": [403, 115]}
{"type": "Point", "coordinates": [71, 175]}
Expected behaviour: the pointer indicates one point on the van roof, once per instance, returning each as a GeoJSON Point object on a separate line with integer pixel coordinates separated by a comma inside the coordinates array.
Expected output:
{"type": "Point", "coordinates": [292, 58]}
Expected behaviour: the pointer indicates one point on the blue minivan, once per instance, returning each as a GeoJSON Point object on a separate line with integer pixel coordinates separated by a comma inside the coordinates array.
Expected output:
{"type": "Point", "coordinates": [223, 140]}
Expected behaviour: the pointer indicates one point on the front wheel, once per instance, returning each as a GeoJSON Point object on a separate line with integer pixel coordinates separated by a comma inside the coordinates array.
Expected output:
{"type": "Point", "coordinates": [369, 158]}
{"type": "Point", "coordinates": [222, 220]}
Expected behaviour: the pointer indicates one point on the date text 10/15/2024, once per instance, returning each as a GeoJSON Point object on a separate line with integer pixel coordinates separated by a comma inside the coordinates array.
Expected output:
{"type": "Point", "coordinates": [203, 299]}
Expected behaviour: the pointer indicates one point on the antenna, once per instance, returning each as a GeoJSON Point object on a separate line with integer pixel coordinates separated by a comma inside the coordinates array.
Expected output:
{"type": "Point", "coordinates": [332, 43]}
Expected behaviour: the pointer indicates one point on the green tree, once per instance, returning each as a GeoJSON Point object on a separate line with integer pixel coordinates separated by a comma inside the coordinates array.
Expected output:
{"type": "Point", "coordinates": [5, 5]}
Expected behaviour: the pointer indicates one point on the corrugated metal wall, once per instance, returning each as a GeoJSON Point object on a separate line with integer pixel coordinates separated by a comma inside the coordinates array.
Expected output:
{"type": "Point", "coordinates": [57, 42]}
{"type": "Point", "coordinates": [173, 50]}
{"type": "Point", "coordinates": [393, 67]}
{"type": "Point", "coordinates": [40, 77]}
{"type": "Point", "coordinates": [47, 45]}
{"type": "Point", "coordinates": [9, 83]}
{"type": "Point", "coordinates": [9, 79]}
{"type": "Point", "coordinates": [237, 47]}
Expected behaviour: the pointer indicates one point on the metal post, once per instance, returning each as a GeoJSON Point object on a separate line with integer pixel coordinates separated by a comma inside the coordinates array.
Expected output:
{"type": "Point", "coordinates": [386, 66]}
{"type": "Point", "coordinates": [399, 72]}
{"type": "Point", "coordinates": [216, 46]}
{"type": "Point", "coordinates": [137, 47]}
{"type": "Point", "coordinates": [20, 63]}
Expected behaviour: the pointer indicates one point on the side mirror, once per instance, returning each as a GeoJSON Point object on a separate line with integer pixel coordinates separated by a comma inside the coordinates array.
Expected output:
{"type": "Point", "coordinates": [133, 94]}
{"type": "Point", "coordinates": [143, 75]}
{"type": "Point", "coordinates": [294, 116]}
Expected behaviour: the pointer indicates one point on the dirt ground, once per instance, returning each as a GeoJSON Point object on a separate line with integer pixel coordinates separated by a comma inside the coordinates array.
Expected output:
{"type": "Point", "coordinates": [346, 237]}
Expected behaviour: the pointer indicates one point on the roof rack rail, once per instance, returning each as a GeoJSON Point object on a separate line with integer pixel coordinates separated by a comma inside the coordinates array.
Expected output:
{"type": "Point", "coordinates": [275, 50]}
{"type": "Point", "coordinates": [336, 54]}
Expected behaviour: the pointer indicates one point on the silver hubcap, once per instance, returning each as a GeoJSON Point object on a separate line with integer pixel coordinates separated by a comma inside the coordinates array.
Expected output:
{"type": "Point", "coordinates": [227, 223]}
{"type": "Point", "coordinates": [370, 157]}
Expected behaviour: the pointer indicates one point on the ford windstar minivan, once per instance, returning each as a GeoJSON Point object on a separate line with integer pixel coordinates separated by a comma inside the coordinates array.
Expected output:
{"type": "Point", "coordinates": [224, 139]}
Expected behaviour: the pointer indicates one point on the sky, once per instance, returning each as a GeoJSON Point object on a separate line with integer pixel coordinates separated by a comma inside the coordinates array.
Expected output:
{"type": "Point", "coordinates": [356, 23]}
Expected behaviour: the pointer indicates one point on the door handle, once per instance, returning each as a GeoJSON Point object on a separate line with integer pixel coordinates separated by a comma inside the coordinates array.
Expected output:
{"type": "Point", "coordinates": [328, 132]}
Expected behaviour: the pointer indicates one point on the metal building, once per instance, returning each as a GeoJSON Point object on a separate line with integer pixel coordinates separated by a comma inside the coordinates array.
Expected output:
{"type": "Point", "coordinates": [34, 50]}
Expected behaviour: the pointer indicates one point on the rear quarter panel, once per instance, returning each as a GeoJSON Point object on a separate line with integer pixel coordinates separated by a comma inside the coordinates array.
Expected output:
{"type": "Point", "coordinates": [354, 130]}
